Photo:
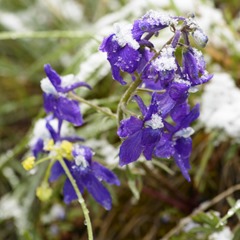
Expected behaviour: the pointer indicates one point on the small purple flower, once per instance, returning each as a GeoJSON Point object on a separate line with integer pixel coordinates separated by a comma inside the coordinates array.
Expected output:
{"type": "Point", "coordinates": [87, 174]}
{"type": "Point", "coordinates": [55, 99]}
{"type": "Point", "coordinates": [194, 67]}
{"type": "Point", "coordinates": [122, 52]}
{"type": "Point", "coordinates": [177, 143]}
{"type": "Point", "coordinates": [141, 135]}
{"type": "Point", "coordinates": [151, 23]}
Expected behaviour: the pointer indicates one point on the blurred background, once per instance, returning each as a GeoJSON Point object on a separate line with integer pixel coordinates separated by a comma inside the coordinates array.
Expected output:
{"type": "Point", "coordinates": [153, 197]}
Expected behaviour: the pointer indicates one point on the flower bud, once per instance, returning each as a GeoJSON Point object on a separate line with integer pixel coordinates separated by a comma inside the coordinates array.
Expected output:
{"type": "Point", "coordinates": [28, 163]}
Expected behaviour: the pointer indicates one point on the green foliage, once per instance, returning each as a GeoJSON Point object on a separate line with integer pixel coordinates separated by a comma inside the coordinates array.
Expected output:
{"type": "Point", "coordinates": [42, 32]}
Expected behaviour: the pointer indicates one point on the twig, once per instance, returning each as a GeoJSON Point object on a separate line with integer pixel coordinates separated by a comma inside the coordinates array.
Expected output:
{"type": "Point", "coordinates": [202, 207]}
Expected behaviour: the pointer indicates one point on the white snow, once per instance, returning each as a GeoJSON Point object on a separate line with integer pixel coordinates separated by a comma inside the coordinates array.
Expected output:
{"type": "Point", "coordinates": [220, 105]}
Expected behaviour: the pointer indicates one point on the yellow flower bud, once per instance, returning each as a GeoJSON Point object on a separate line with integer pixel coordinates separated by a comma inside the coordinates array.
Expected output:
{"type": "Point", "coordinates": [49, 146]}
{"type": "Point", "coordinates": [28, 163]}
{"type": "Point", "coordinates": [44, 192]}
{"type": "Point", "coordinates": [66, 149]}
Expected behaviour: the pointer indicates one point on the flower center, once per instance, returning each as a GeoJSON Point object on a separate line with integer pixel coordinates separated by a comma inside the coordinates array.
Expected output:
{"type": "Point", "coordinates": [81, 161]}
{"type": "Point", "coordinates": [155, 122]}
{"type": "Point", "coordinates": [185, 132]}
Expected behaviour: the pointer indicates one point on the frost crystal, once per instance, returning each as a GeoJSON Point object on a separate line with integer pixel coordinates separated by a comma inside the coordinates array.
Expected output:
{"type": "Point", "coordinates": [200, 38]}
{"type": "Point", "coordinates": [68, 80]}
{"type": "Point", "coordinates": [220, 105]}
{"type": "Point", "coordinates": [154, 17]}
{"type": "Point", "coordinates": [123, 35]}
{"type": "Point", "coordinates": [47, 87]}
{"type": "Point", "coordinates": [81, 161]}
{"type": "Point", "coordinates": [155, 122]}
{"type": "Point", "coordinates": [185, 132]}
{"type": "Point", "coordinates": [222, 235]}
{"type": "Point", "coordinates": [166, 61]}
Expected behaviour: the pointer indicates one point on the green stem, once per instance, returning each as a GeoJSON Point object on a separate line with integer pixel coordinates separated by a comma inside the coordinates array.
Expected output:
{"type": "Point", "coordinates": [48, 171]}
{"type": "Point", "coordinates": [147, 90]}
{"type": "Point", "coordinates": [44, 34]}
{"type": "Point", "coordinates": [43, 160]}
{"type": "Point", "coordinates": [99, 109]}
{"type": "Point", "coordinates": [80, 198]}
{"type": "Point", "coordinates": [126, 97]}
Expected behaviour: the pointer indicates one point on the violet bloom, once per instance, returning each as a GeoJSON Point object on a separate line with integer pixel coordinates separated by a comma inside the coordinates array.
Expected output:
{"type": "Point", "coordinates": [177, 142]}
{"type": "Point", "coordinates": [87, 174]}
{"type": "Point", "coordinates": [194, 67]}
{"type": "Point", "coordinates": [151, 23]}
{"type": "Point", "coordinates": [55, 90]}
{"type": "Point", "coordinates": [142, 135]}
{"type": "Point", "coordinates": [122, 52]}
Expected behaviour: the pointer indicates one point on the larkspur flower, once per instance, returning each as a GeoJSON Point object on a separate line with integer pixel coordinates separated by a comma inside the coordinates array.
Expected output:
{"type": "Point", "coordinates": [141, 135]}
{"type": "Point", "coordinates": [194, 67]}
{"type": "Point", "coordinates": [177, 142]}
{"type": "Point", "coordinates": [55, 90]}
{"type": "Point", "coordinates": [122, 51]}
{"type": "Point", "coordinates": [152, 22]}
{"type": "Point", "coordinates": [87, 174]}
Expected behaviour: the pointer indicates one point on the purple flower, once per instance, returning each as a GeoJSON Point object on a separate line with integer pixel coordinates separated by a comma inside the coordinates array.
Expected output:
{"type": "Point", "coordinates": [151, 23]}
{"type": "Point", "coordinates": [122, 52]}
{"type": "Point", "coordinates": [87, 174]}
{"type": "Point", "coordinates": [177, 142]}
{"type": "Point", "coordinates": [55, 99]}
{"type": "Point", "coordinates": [194, 67]}
{"type": "Point", "coordinates": [141, 135]}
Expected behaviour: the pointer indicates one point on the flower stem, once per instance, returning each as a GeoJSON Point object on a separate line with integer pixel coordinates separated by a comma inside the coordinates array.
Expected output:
{"type": "Point", "coordinates": [105, 111]}
{"type": "Point", "coordinates": [80, 199]}
{"type": "Point", "coordinates": [43, 160]}
{"type": "Point", "coordinates": [126, 97]}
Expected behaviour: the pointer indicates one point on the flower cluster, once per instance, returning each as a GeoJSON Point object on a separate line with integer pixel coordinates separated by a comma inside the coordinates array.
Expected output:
{"type": "Point", "coordinates": [163, 129]}
{"type": "Point", "coordinates": [54, 136]}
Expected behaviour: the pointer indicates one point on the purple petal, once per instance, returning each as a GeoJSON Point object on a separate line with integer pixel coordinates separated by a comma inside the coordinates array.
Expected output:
{"type": "Point", "coordinates": [164, 148]}
{"type": "Point", "coordinates": [105, 174]}
{"type": "Point", "coordinates": [150, 136]}
{"type": "Point", "coordinates": [73, 86]}
{"type": "Point", "coordinates": [190, 66]}
{"type": "Point", "coordinates": [56, 171]}
{"type": "Point", "coordinates": [72, 138]}
{"type": "Point", "coordinates": [97, 190]}
{"type": "Point", "coordinates": [193, 115]}
{"type": "Point", "coordinates": [165, 103]}
{"type": "Point", "coordinates": [127, 59]}
{"type": "Point", "coordinates": [129, 126]}
{"type": "Point", "coordinates": [181, 164]}
{"type": "Point", "coordinates": [69, 110]}
{"type": "Point", "coordinates": [180, 111]}
{"type": "Point", "coordinates": [80, 150]}
{"type": "Point", "coordinates": [55, 136]}
{"type": "Point", "coordinates": [178, 91]}
{"type": "Point", "coordinates": [148, 151]}
{"type": "Point", "coordinates": [69, 192]}
{"type": "Point", "coordinates": [52, 75]}
{"type": "Point", "coordinates": [38, 147]}
{"type": "Point", "coordinates": [166, 77]}
{"type": "Point", "coordinates": [131, 149]}
{"type": "Point", "coordinates": [116, 74]}
{"type": "Point", "coordinates": [109, 45]}
{"type": "Point", "coordinates": [141, 104]}
{"type": "Point", "coordinates": [183, 148]}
